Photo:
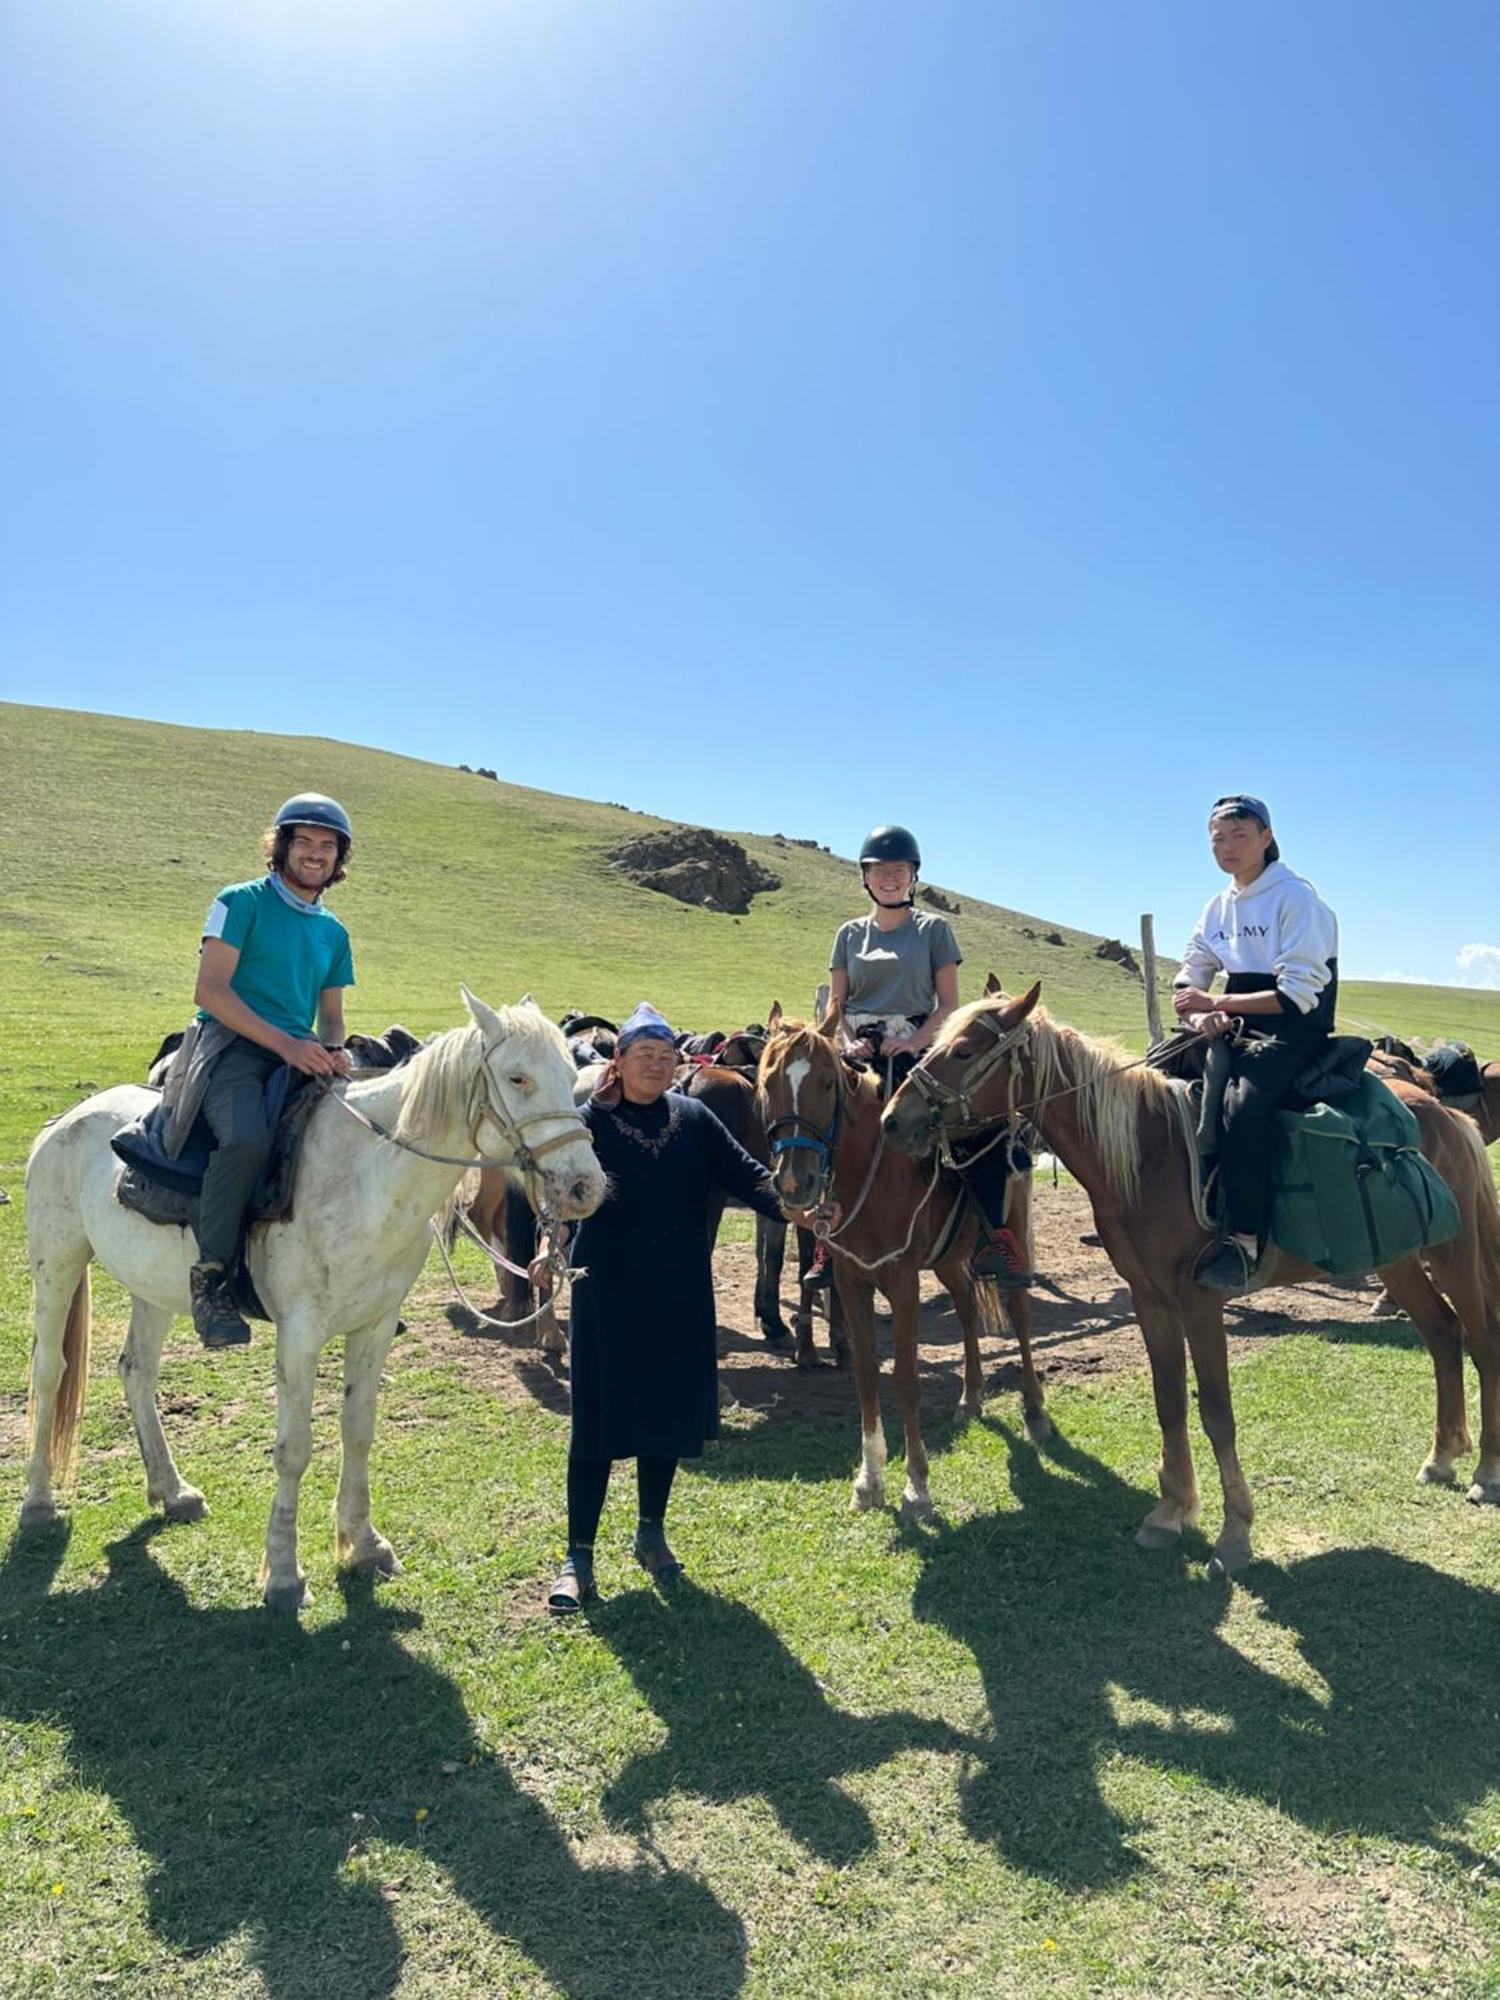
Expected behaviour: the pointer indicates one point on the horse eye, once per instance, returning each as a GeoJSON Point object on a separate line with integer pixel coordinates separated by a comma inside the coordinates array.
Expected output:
{"type": "Point", "coordinates": [518, 1080]}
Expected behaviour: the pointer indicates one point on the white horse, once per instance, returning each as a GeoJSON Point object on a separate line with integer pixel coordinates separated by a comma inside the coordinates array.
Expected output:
{"type": "Point", "coordinates": [341, 1265]}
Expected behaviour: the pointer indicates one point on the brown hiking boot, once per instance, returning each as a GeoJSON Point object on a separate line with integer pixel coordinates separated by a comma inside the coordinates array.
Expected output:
{"type": "Point", "coordinates": [1000, 1258]}
{"type": "Point", "coordinates": [215, 1314]}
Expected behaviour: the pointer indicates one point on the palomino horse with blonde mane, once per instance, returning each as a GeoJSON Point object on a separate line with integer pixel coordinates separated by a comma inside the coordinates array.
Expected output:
{"type": "Point", "coordinates": [379, 1160]}
{"type": "Point", "coordinates": [822, 1115]}
{"type": "Point", "coordinates": [1109, 1122]}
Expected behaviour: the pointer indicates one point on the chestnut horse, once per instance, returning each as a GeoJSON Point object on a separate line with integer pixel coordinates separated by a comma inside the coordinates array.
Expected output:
{"type": "Point", "coordinates": [1109, 1122]}
{"type": "Point", "coordinates": [1400, 1061]}
{"type": "Point", "coordinates": [823, 1116]}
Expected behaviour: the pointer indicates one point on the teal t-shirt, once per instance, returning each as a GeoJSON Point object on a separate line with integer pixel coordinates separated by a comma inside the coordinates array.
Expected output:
{"type": "Point", "coordinates": [289, 951]}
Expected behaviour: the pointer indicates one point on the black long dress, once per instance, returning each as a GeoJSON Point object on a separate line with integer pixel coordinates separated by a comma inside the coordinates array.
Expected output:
{"type": "Point", "coordinates": [644, 1356]}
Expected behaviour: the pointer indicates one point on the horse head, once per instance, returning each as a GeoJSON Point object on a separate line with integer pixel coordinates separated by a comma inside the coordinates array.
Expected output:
{"type": "Point", "coordinates": [801, 1083]}
{"type": "Point", "coordinates": [523, 1110]}
{"type": "Point", "coordinates": [966, 1080]}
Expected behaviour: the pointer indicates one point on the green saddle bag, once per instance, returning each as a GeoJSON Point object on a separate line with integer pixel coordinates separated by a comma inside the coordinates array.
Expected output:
{"type": "Point", "coordinates": [1352, 1190]}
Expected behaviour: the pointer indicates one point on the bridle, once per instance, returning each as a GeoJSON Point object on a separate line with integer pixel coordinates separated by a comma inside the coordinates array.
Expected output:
{"type": "Point", "coordinates": [524, 1154]}
{"type": "Point", "coordinates": [951, 1107]}
{"type": "Point", "coordinates": [794, 1133]}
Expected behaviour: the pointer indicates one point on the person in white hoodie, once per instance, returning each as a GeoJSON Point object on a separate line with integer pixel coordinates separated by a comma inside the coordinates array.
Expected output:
{"type": "Point", "coordinates": [1277, 943]}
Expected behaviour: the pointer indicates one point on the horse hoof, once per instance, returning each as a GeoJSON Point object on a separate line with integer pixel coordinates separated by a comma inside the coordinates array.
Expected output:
{"type": "Point", "coordinates": [383, 1563]}
{"type": "Point", "coordinates": [40, 1513]}
{"type": "Point", "coordinates": [287, 1599]}
{"type": "Point", "coordinates": [865, 1500]}
{"type": "Point", "coordinates": [1484, 1493]}
{"type": "Point", "coordinates": [1040, 1427]}
{"type": "Point", "coordinates": [189, 1505]}
{"type": "Point", "coordinates": [1229, 1558]}
{"type": "Point", "coordinates": [1155, 1535]}
{"type": "Point", "coordinates": [1434, 1474]}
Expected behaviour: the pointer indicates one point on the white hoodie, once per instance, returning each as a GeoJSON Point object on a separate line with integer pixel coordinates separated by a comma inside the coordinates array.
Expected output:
{"type": "Point", "coordinates": [1278, 929]}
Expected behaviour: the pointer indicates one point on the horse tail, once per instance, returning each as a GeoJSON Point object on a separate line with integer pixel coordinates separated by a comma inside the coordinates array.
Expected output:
{"type": "Point", "coordinates": [72, 1390]}
{"type": "Point", "coordinates": [1486, 1209]}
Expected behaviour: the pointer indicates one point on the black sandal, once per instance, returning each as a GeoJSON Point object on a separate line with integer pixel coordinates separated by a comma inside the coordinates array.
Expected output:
{"type": "Point", "coordinates": [572, 1590]}
{"type": "Point", "coordinates": [657, 1559]}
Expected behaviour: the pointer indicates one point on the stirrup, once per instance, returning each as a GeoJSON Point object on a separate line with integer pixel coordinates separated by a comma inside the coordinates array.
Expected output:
{"type": "Point", "coordinates": [1225, 1266]}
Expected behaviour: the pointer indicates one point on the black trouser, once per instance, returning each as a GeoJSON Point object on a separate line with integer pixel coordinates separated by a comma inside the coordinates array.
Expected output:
{"type": "Point", "coordinates": [588, 1482]}
{"type": "Point", "coordinates": [1264, 1068]}
{"type": "Point", "coordinates": [234, 1105]}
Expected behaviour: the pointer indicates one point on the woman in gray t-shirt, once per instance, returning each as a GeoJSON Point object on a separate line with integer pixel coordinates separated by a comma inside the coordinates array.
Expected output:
{"type": "Point", "coordinates": [896, 970]}
{"type": "Point", "coordinates": [894, 976]}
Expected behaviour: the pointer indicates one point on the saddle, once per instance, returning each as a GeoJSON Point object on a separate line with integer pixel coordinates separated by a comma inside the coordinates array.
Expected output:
{"type": "Point", "coordinates": [166, 1190]}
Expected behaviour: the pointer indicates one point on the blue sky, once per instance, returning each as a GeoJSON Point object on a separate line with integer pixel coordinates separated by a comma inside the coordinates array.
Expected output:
{"type": "Point", "coordinates": [1026, 421]}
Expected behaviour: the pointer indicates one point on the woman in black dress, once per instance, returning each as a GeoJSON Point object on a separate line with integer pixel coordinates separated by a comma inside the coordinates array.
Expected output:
{"type": "Point", "coordinates": [644, 1354]}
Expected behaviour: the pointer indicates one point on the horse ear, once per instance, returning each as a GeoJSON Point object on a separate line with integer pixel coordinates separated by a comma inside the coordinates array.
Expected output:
{"type": "Point", "coordinates": [773, 1019]}
{"type": "Point", "coordinates": [992, 985]}
{"type": "Point", "coordinates": [829, 1026]}
{"type": "Point", "coordinates": [483, 1017]}
{"type": "Point", "coordinates": [1015, 1011]}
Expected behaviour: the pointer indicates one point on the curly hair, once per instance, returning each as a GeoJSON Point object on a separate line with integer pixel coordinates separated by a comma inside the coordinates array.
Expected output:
{"type": "Point", "coordinates": [276, 845]}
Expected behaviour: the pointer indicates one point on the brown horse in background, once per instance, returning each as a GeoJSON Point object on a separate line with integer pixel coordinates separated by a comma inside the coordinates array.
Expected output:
{"type": "Point", "coordinates": [1110, 1124]}
{"type": "Point", "coordinates": [822, 1112]}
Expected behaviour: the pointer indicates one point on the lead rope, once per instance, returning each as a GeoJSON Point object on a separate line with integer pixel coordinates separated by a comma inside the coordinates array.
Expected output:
{"type": "Point", "coordinates": [559, 1264]}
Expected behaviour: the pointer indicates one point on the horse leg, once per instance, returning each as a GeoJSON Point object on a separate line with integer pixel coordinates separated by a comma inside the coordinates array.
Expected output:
{"type": "Point", "coordinates": [1178, 1506]}
{"type": "Point", "coordinates": [139, 1369]}
{"type": "Point", "coordinates": [972, 1318]}
{"type": "Point", "coordinates": [1203, 1317]}
{"type": "Point", "coordinates": [59, 1371]}
{"type": "Point", "coordinates": [283, 1583]}
{"type": "Point", "coordinates": [1427, 1309]}
{"type": "Point", "coordinates": [1033, 1396]}
{"type": "Point", "coordinates": [360, 1546]}
{"type": "Point", "coordinates": [838, 1326]}
{"type": "Point", "coordinates": [858, 1295]}
{"type": "Point", "coordinates": [550, 1337]}
{"type": "Point", "coordinates": [770, 1260]}
{"type": "Point", "coordinates": [905, 1299]}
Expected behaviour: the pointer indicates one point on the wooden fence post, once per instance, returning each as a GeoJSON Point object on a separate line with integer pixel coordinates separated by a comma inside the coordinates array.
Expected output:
{"type": "Point", "coordinates": [1148, 967]}
{"type": "Point", "coordinates": [820, 1003]}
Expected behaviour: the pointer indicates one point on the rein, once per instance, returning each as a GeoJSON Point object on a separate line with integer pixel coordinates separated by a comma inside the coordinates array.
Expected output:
{"type": "Point", "coordinates": [525, 1155]}
{"type": "Point", "coordinates": [1009, 1045]}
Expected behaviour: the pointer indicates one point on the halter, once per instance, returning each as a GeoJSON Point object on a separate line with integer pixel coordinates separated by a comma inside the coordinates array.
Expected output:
{"type": "Point", "coordinates": [815, 1139]}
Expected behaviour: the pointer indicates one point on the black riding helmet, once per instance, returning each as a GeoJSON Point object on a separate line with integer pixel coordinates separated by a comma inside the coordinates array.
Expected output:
{"type": "Point", "coordinates": [891, 843]}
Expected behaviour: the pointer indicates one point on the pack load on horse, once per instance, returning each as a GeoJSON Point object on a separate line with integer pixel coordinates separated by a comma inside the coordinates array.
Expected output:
{"type": "Point", "coordinates": [893, 978]}
{"type": "Point", "coordinates": [380, 1158]}
{"type": "Point", "coordinates": [886, 1221]}
{"type": "Point", "coordinates": [1451, 1071]}
{"type": "Point", "coordinates": [1113, 1124]}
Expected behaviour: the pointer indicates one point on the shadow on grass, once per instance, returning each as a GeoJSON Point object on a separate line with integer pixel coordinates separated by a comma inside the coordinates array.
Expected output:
{"type": "Point", "coordinates": [252, 1760]}
{"type": "Point", "coordinates": [1059, 1609]}
{"type": "Point", "coordinates": [745, 1718]}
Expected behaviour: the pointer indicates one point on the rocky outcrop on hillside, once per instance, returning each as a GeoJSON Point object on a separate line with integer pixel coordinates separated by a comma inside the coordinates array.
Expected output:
{"type": "Point", "coordinates": [936, 900]}
{"type": "Point", "coordinates": [695, 865]}
{"type": "Point", "coordinates": [1119, 954]}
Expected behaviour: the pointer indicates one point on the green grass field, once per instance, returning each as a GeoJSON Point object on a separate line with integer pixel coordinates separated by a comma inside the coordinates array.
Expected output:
{"type": "Point", "coordinates": [1008, 1754]}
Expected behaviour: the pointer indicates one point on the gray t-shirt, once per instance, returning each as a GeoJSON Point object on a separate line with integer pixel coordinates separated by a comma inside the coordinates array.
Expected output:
{"type": "Point", "coordinates": [894, 972]}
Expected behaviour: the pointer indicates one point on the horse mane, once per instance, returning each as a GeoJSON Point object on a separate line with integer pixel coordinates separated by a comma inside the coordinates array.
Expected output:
{"type": "Point", "coordinates": [437, 1082]}
{"type": "Point", "coordinates": [1094, 1068]}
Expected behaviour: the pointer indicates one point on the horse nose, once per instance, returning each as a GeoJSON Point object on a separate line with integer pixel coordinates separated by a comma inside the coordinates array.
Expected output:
{"type": "Point", "coordinates": [579, 1192]}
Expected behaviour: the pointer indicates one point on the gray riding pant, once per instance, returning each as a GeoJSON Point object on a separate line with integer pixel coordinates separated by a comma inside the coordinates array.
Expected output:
{"type": "Point", "coordinates": [234, 1105]}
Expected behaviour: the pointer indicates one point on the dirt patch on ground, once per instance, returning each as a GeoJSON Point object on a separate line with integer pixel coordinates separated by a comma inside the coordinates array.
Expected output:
{"type": "Point", "coordinates": [1081, 1315]}
{"type": "Point", "coordinates": [1372, 1912]}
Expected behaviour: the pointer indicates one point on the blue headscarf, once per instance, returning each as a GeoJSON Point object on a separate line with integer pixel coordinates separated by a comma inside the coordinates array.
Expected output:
{"type": "Point", "coordinates": [644, 1024]}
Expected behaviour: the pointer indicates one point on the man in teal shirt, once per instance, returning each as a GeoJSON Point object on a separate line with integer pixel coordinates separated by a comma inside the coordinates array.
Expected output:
{"type": "Point", "coordinates": [272, 970]}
